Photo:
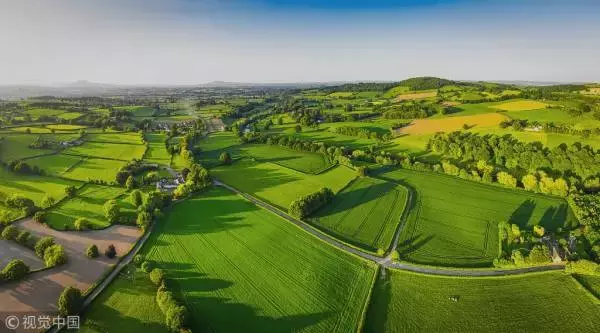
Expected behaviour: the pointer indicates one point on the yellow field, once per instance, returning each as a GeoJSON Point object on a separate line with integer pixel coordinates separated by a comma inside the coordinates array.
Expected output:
{"type": "Point", "coordinates": [416, 95]}
{"type": "Point", "coordinates": [423, 126]}
{"type": "Point", "coordinates": [520, 106]}
{"type": "Point", "coordinates": [65, 127]}
{"type": "Point", "coordinates": [341, 94]}
{"type": "Point", "coordinates": [592, 91]}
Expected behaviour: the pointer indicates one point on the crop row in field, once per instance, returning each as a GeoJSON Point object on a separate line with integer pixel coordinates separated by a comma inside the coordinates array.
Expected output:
{"type": "Point", "coordinates": [238, 261]}
{"type": "Point", "coordinates": [541, 302]}
{"type": "Point", "coordinates": [454, 222]}
{"type": "Point", "coordinates": [279, 185]}
{"type": "Point", "coordinates": [78, 167]}
{"type": "Point", "coordinates": [366, 213]}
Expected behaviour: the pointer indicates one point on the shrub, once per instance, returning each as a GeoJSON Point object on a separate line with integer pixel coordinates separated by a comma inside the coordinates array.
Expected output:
{"type": "Point", "coordinates": [42, 244]}
{"type": "Point", "coordinates": [538, 230]}
{"type": "Point", "coordinates": [92, 251]}
{"type": "Point", "coordinates": [23, 237]}
{"type": "Point", "coordinates": [143, 220]}
{"type": "Point", "coordinates": [10, 232]}
{"type": "Point", "coordinates": [157, 276]}
{"type": "Point", "coordinates": [130, 183]}
{"type": "Point", "coordinates": [14, 270]}
{"type": "Point", "coordinates": [225, 158]}
{"type": "Point", "coordinates": [48, 201]}
{"type": "Point", "coordinates": [362, 171]}
{"type": "Point", "coordinates": [55, 255]}
{"type": "Point", "coordinates": [110, 252]}
{"type": "Point", "coordinates": [70, 301]}
{"type": "Point", "coordinates": [112, 212]}
{"type": "Point", "coordinates": [146, 266]}
{"type": "Point", "coordinates": [136, 198]}
{"type": "Point", "coordinates": [165, 300]}
{"type": "Point", "coordinates": [82, 224]}
{"type": "Point", "coordinates": [40, 217]}
{"type": "Point", "coordinates": [583, 267]}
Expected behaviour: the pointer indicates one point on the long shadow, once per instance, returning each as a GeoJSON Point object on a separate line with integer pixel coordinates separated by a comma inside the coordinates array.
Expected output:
{"type": "Point", "coordinates": [377, 313]}
{"type": "Point", "coordinates": [413, 244]}
{"type": "Point", "coordinates": [112, 320]}
{"type": "Point", "coordinates": [523, 213]}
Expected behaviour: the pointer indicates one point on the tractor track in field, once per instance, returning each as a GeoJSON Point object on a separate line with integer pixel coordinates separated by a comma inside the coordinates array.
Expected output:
{"type": "Point", "coordinates": [387, 261]}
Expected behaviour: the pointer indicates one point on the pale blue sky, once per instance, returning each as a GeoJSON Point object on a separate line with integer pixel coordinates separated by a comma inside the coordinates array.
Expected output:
{"type": "Point", "coordinates": [187, 42]}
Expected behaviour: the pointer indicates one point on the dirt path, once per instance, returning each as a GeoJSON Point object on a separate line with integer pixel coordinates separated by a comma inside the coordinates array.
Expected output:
{"type": "Point", "coordinates": [387, 262]}
{"type": "Point", "coordinates": [39, 292]}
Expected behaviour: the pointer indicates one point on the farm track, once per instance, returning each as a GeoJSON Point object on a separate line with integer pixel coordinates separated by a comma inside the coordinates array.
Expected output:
{"type": "Point", "coordinates": [387, 261]}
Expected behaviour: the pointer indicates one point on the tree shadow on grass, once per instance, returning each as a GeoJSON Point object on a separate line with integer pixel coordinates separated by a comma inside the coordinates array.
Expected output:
{"type": "Point", "coordinates": [554, 218]}
{"type": "Point", "coordinates": [106, 319]}
{"type": "Point", "coordinates": [377, 313]}
{"type": "Point", "coordinates": [522, 214]}
{"type": "Point", "coordinates": [413, 244]}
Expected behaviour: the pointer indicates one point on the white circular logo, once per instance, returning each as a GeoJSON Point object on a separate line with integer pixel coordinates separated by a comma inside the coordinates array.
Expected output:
{"type": "Point", "coordinates": [12, 322]}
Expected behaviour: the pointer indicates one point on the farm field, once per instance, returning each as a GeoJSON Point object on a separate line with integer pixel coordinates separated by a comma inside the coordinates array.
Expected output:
{"type": "Point", "coordinates": [33, 187]}
{"type": "Point", "coordinates": [95, 169]}
{"type": "Point", "coordinates": [56, 164]}
{"type": "Point", "coordinates": [323, 134]}
{"type": "Point", "coordinates": [65, 127]}
{"type": "Point", "coordinates": [365, 213]}
{"type": "Point", "coordinates": [128, 313]}
{"type": "Point", "coordinates": [454, 222]}
{"type": "Point", "coordinates": [44, 112]}
{"type": "Point", "coordinates": [69, 115]}
{"type": "Point", "coordinates": [540, 302]}
{"type": "Point", "coordinates": [157, 153]}
{"type": "Point", "coordinates": [520, 105]}
{"type": "Point", "coordinates": [117, 151]}
{"type": "Point", "coordinates": [591, 283]}
{"type": "Point", "coordinates": [449, 124]}
{"type": "Point", "coordinates": [16, 146]}
{"type": "Point", "coordinates": [122, 137]}
{"type": "Point", "coordinates": [239, 261]}
{"type": "Point", "coordinates": [88, 203]}
{"type": "Point", "coordinates": [278, 185]}
{"type": "Point", "coordinates": [214, 144]}
{"type": "Point", "coordinates": [416, 95]}
{"type": "Point", "coordinates": [307, 162]}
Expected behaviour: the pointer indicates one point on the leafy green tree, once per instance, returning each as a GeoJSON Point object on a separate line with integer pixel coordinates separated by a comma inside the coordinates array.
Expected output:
{"type": "Point", "coordinates": [157, 276]}
{"type": "Point", "coordinates": [297, 128]}
{"type": "Point", "coordinates": [40, 217]}
{"type": "Point", "coordinates": [146, 266]}
{"type": "Point", "coordinates": [143, 220]}
{"type": "Point", "coordinates": [48, 201]}
{"type": "Point", "coordinates": [55, 255]}
{"type": "Point", "coordinates": [42, 244]}
{"type": "Point", "coordinates": [70, 191]}
{"type": "Point", "coordinates": [16, 269]}
{"type": "Point", "coordinates": [177, 317]}
{"type": "Point", "coordinates": [112, 211]}
{"type": "Point", "coordinates": [10, 232]}
{"type": "Point", "coordinates": [81, 224]}
{"type": "Point", "coordinates": [23, 237]}
{"type": "Point", "coordinates": [136, 198]}
{"type": "Point", "coordinates": [130, 183]}
{"type": "Point", "coordinates": [70, 301]}
{"type": "Point", "coordinates": [92, 251]}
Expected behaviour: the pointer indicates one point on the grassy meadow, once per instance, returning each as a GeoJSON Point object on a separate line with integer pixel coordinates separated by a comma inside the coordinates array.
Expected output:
{"type": "Point", "coordinates": [94, 169]}
{"type": "Point", "coordinates": [307, 162]}
{"type": "Point", "coordinates": [238, 261]}
{"type": "Point", "coordinates": [454, 222]}
{"type": "Point", "coordinates": [366, 213]}
{"type": "Point", "coordinates": [157, 153]}
{"type": "Point", "coordinates": [278, 185]}
{"type": "Point", "coordinates": [540, 302]}
{"type": "Point", "coordinates": [88, 203]}
{"type": "Point", "coordinates": [117, 151]}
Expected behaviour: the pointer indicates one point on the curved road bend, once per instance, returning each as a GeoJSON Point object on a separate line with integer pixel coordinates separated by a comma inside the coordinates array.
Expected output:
{"type": "Point", "coordinates": [387, 262]}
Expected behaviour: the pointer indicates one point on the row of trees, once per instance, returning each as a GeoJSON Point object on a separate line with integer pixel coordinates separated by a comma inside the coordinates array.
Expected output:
{"type": "Point", "coordinates": [304, 206]}
{"type": "Point", "coordinates": [575, 163]}
{"type": "Point", "coordinates": [363, 132]}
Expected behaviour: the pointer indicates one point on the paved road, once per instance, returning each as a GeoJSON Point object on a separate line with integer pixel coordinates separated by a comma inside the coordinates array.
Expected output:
{"type": "Point", "coordinates": [387, 262]}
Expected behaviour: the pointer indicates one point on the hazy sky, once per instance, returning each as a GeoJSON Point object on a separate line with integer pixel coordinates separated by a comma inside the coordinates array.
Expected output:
{"type": "Point", "coordinates": [186, 41]}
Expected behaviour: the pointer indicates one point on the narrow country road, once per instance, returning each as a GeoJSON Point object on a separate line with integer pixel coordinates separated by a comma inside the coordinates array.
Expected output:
{"type": "Point", "coordinates": [387, 261]}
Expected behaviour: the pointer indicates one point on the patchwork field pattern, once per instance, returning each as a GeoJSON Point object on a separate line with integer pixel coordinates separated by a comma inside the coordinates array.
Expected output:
{"type": "Point", "coordinates": [157, 153]}
{"type": "Point", "coordinates": [128, 138]}
{"type": "Point", "coordinates": [32, 187]}
{"type": "Point", "coordinates": [57, 164]}
{"type": "Point", "coordinates": [278, 185]}
{"type": "Point", "coordinates": [454, 222]}
{"type": "Point", "coordinates": [411, 302]}
{"type": "Point", "coordinates": [307, 162]}
{"type": "Point", "coordinates": [416, 95]}
{"type": "Point", "coordinates": [238, 261]}
{"type": "Point", "coordinates": [365, 213]}
{"type": "Point", "coordinates": [450, 124]}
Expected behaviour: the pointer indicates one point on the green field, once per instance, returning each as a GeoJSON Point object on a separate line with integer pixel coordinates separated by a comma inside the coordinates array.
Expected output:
{"type": "Point", "coordinates": [238, 261]}
{"type": "Point", "coordinates": [520, 105]}
{"type": "Point", "coordinates": [157, 153]}
{"type": "Point", "coordinates": [591, 283]}
{"type": "Point", "coordinates": [279, 185]}
{"type": "Point", "coordinates": [88, 203]}
{"type": "Point", "coordinates": [365, 213]}
{"type": "Point", "coordinates": [307, 162]}
{"type": "Point", "coordinates": [541, 302]}
{"type": "Point", "coordinates": [454, 222]}
{"type": "Point", "coordinates": [116, 310]}
{"type": "Point", "coordinates": [117, 151]}
{"type": "Point", "coordinates": [16, 146]}
{"type": "Point", "coordinates": [120, 137]}
{"type": "Point", "coordinates": [55, 165]}
{"type": "Point", "coordinates": [65, 127]}
{"type": "Point", "coordinates": [69, 115]}
{"type": "Point", "coordinates": [94, 169]}
{"type": "Point", "coordinates": [44, 112]}
{"type": "Point", "coordinates": [324, 134]}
